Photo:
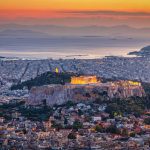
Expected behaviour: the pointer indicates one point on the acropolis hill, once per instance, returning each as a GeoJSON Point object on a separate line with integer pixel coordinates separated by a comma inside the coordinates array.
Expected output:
{"type": "Point", "coordinates": [84, 88]}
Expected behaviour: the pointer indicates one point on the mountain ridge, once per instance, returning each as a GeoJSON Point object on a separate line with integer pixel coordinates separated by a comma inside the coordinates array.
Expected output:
{"type": "Point", "coordinates": [58, 30]}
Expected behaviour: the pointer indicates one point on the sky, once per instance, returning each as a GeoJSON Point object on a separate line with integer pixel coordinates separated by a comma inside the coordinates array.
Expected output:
{"type": "Point", "coordinates": [76, 12]}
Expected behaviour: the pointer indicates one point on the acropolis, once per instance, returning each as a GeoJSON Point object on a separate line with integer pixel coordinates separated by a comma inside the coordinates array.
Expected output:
{"type": "Point", "coordinates": [84, 80]}
{"type": "Point", "coordinates": [79, 87]}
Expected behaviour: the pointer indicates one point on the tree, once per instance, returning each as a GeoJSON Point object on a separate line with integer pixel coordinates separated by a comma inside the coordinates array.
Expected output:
{"type": "Point", "coordinates": [65, 121]}
{"type": "Point", "coordinates": [87, 95]}
{"type": "Point", "coordinates": [132, 134]}
{"type": "Point", "coordinates": [24, 131]}
{"type": "Point", "coordinates": [77, 125]}
{"type": "Point", "coordinates": [69, 104]}
{"type": "Point", "coordinates": [125, 132]}
{"type": "Point", "coordinates": [56, 125]}
{"type": "Point", "coordinates": [98, 128]}
{"type": "Point", "coordinates": [80, 112]}
{"type": "Point", "coordinates": [147, 121]}
{"type": "Point", "coordinates": [44, 103]}
{"type": "Point", "coordinates": [72, 136]}
{"type": "Point", "coordinates": [98, 100]}
{"type": "Point", "coordinates": [112, 129]}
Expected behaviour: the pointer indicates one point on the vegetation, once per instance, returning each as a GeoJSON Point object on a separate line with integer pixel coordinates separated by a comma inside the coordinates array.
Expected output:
{"type": "Point", "coordinates": [69, 104]}
{"type": "Point", "coordinates": [56, 125]}
{"type": "Point", "coordinates": [133, 105]}
{"type": "Point", "coordinates": [36, 114]}
{"type": "Point", "coordinates": [146, 87]}
{"type": "Point", "coordinates": [72, 136]}
{"type": "Point", "coordinates": [112, 129]}
{"type": "Point", "coordinates": [147, 121]}
{"type": "Point", "coordinates": [6, 110]}
{"type": "Point", "coordinates": [132, 134]}
{"type": "Point", "coordinates": [80, 112]}
{"type": "Point", "coordinates": [77, 125]}
{"type": "Point", "coordinates": [98, 128]}
{"type": "Point", "coordinates": [44, 79]}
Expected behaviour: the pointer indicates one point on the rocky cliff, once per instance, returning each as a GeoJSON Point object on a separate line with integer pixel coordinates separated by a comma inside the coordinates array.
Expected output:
{"type": "Point", "coordinates": [59, 94]}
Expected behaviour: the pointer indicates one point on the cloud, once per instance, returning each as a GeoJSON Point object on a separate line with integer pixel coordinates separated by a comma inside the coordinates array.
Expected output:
{"type": "Point", "coordinates": [76, 18]}
{"type": "Point", "coordinates": [108, 12]}
{"type": "Point", "coordinates": [70, 13]}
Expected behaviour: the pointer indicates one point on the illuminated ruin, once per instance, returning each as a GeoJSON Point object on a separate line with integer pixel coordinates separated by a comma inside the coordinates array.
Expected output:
{"type": "Point", "coordinates": [84, 80]}
{"type": "Point", "coordinates": [134, 83]}
{"type": "Point", "coordinates": [126, 83]}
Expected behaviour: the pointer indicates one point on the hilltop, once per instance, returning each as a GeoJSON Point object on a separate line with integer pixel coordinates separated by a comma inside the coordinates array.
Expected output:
{"type": "Point", "coordinates": [144, 52]}
{"type": "Point", "coordinates": [44, 79]}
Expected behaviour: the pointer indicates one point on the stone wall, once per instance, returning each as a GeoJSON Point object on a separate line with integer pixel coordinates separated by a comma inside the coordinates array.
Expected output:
{"type": "Point", "coordinates": [59, 94]}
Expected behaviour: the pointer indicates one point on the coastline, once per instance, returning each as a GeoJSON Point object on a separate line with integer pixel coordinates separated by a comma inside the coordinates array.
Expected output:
{"type": "Point", "coordinates": [96, 54]}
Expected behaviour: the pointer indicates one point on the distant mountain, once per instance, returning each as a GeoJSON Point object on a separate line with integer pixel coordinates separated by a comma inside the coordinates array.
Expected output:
{"type": "Point", "coordinates": [144, 52]}
{"type": "Point", "coordinates": [21, 33]}
{"type": "Point", "coordinates": [62, 38]}
{"type": "Point", "coordinates": [53, 30]}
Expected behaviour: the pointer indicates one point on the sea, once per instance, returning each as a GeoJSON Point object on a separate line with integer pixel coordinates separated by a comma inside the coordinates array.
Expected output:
{"type": "Point", "coordinates": [69, 48]}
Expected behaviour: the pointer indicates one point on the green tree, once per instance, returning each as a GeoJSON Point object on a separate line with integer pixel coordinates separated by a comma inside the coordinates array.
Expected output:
{"type": "Point", "coordinates": [98, 128]}
{"type": "Point", "coordinates": [77, 124]}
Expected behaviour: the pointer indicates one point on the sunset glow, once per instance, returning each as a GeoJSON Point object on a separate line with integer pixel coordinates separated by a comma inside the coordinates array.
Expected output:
{"type": "Point", "coordinates": [127, 5]}
{"type": "Point", "coordinates": [39, 6]}
{"type": "Point", "coordinates": [109, 9]}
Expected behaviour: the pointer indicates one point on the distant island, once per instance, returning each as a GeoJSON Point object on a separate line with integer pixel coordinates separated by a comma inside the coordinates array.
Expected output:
{"type": "Point", "coordinates": [144, 52]}
{"type": "Point", "coordinates": [1, 57]}
{"type": "Point", "coordinates": [75, 55]}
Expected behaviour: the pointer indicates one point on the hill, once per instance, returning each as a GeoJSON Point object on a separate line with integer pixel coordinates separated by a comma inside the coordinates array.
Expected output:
{"type": "Point", "coordinates": [56, 30]}
{"type": "Point", "coordinates": [144, 52]}
{"type": "Point", "coordinates": [44, 79]}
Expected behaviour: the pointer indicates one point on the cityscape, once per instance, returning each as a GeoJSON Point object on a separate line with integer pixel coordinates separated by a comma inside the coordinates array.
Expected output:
{"type": "Point", "coordinates": [74, 75]}
{"type": "Point", "coordinates": [75, 104]}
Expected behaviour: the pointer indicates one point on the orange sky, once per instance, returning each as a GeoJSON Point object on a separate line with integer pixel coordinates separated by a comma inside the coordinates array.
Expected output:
{"type": "Point", "coordinates": [126, 5]}
{"type": "Point", "coordinates": [75, 8]}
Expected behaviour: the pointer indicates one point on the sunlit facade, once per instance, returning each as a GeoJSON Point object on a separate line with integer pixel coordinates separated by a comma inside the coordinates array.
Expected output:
{"type": "Point", "coordinates": [134, 83]}
{"type": "Point", "coordinates": [84, 80]}
{"type": "Point", "coordinates": [126, 83]}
